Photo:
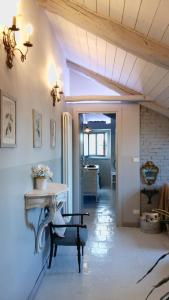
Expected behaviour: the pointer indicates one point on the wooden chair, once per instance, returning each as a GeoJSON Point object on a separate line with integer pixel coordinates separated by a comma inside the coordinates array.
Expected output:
{"type": "Point", "coordinates": [75, 235]}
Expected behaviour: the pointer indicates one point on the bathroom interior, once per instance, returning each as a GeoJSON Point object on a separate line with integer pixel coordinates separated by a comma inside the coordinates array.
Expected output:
{"type": "Point", "coordinates": [98, 158]}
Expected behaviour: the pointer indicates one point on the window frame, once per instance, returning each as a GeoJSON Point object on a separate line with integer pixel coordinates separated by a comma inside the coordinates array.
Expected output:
{"type": "Point", "coordinates": [99, 131]}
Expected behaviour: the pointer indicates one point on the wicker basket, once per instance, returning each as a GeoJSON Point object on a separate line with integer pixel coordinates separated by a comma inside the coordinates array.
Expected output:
{"type": "Point", "coordinates": [150, 223]}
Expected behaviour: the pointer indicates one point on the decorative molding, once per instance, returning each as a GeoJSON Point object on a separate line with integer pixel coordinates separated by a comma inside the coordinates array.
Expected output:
{"type": "Point", "coordinates": [110, 31]}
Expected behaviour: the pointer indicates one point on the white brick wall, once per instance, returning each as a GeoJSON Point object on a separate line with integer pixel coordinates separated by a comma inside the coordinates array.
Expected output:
{"type": "Point", "coordinates": [154, 142]}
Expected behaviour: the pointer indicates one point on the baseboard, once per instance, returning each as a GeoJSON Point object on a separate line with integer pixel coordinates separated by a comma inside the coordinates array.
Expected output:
{"type": "Point", "coordinates": [38, 282]}
{"type": "Point", "coordinates": [128, 224]}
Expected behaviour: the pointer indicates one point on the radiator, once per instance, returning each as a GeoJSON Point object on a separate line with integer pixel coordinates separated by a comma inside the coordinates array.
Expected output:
{"type": "Point", "coordinates": [67, 158]}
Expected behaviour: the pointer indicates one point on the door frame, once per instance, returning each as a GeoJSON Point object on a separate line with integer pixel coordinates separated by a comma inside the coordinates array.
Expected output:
{"type": "Point", "coordinates": [116, 109]}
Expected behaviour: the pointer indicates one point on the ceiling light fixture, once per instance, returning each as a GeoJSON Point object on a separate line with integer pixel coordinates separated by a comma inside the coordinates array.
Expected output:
{"type": "Point", "coordinates": [10, 43]}
{"type": "Point", "coordinates": [87, 130]}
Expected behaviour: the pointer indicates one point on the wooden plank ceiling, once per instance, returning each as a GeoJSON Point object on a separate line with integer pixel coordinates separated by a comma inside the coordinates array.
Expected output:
{"type": "Point", "coordinates": [147, 17]}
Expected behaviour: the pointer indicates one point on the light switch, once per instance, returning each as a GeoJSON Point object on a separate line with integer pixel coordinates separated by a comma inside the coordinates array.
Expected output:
{"type": "Point", "coordinates": [135, 159]}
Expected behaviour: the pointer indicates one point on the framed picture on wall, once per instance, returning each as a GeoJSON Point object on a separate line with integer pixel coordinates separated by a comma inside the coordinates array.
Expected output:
{"type": "Point", "coordinates": [53, 133]}
{"type": "Point", "coordinates": [37, 129]}
{"type": "Point", "coordinates": [7, 120]}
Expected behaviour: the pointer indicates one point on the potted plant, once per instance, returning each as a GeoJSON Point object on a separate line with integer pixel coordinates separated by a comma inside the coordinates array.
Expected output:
{"type": "Point", "coordinates": [41, 174]}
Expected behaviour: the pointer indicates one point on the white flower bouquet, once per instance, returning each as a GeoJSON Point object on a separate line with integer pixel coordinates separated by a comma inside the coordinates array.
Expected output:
{"type": "Point", "coordinates": [41, 171]}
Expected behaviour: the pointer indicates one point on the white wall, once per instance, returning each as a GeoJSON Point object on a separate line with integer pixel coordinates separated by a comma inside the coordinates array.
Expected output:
{"type": "Point", "coordinates": [28, 83]}
{"type": "Point", "coordinates": [82, 85]}
{"type": "Point", "coordinates": [128, 170]}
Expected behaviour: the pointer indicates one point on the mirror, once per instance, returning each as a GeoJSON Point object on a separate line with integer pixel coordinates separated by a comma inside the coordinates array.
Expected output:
{"type": "Point", "coordinates": [149, 172]}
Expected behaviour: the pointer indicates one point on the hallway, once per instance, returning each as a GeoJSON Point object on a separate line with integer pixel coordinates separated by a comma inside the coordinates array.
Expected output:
{"type": "Point", "coordinates": [114, 259]}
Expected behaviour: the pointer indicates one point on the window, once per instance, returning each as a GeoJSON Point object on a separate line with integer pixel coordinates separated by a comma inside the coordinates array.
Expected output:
{"type": "Point", "coordinates": [96, 143]}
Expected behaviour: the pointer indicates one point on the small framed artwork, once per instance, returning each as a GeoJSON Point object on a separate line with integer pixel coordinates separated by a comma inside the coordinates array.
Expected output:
{"type": "Point", "coordinates": [7, 120]}
{"type": "Point", "coordinates": [37, 129]}
{"type": "Point", "coordinates": [53, 133]}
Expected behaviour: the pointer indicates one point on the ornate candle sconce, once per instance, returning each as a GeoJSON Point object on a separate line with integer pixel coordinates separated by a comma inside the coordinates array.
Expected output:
{"type": "Point", "coordinates": [10, 44]}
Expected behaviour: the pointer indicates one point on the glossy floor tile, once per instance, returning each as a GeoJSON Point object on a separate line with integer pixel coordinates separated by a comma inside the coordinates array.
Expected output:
{"type": "Point", "coordinates": [114, 259]}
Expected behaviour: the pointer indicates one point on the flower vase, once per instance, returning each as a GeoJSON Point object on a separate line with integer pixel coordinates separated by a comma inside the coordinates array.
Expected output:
{"type": "Point", "coordinates": [41, 183]}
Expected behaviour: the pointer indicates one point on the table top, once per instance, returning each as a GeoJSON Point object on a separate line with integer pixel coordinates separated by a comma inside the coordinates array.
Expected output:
{"type": "Point", "coordinates": [51, 190]}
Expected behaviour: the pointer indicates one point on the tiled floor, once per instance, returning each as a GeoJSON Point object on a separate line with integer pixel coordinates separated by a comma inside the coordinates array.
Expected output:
{"type": "Point", "coordinates": [115, 258]}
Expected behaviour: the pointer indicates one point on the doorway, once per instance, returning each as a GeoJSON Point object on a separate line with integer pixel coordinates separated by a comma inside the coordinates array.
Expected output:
{"type": "Point", "coordinates": [97, 160]}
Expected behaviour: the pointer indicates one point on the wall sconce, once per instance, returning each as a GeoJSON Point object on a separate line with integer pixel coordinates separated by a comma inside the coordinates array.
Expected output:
{"type": "Point", "coordinates": [10, 44]}
{"type": "Point", "coordinates": [56, 94]}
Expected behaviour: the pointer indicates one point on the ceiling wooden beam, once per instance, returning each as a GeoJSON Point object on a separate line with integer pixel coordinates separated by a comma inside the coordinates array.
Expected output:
{"type": "Point", "coordinates": [128, 99]}
{"type": "Point", "coordinates": [108, 99]}
{"type": "Point", "coordinates": [110, 31]}
{"type": "Point", "coordinates": [117, 87]}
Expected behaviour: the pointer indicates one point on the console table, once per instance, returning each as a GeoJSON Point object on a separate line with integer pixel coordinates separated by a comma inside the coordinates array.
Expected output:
{"type": "Point", "coordinates": [53, 198]}
{"type": "Point", "coordinates": [149, 193]}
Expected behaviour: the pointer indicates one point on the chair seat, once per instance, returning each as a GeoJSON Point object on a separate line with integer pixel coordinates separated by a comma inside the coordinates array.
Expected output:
{"type": "Point", "coordinates": [71, 236]}
{"type": "Point", "coordinates": [75, 235]}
